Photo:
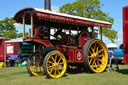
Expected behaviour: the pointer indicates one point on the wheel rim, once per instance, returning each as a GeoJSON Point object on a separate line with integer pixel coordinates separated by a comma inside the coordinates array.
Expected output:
{"type": "Point", "coordinates": [35, 64]}
{"type": "Point", "coordinates": [56, 65]}
{"type": "Point", "coordinates": [97, 56]}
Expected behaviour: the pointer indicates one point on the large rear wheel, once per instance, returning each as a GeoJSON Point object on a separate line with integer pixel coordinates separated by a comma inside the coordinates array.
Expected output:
{"type": "Point", "coordinates": [35, 65]}
{"type": "Point", "coordinates": [55, 64]}
{"type": "Point", "coordinates": [95, 56]}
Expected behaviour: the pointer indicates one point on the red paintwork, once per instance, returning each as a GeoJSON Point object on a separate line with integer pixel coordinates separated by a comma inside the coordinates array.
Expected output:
{"type": "Point", "coordinates": [71, 55]}
{"type": "Point", "coordinates": [72, 51]}
{"type": "Point", "coordinates": [71, 20]}
{"type": "Point", "coordinates": [44, 42]}
{"type": "Point", "coordinates": [68, 51]}
{"type": "Point", "coordinates": [125, 33]}
{"type": "Point", "coordinates": [47, 15]}
{"type": "Point", "coordinates": [36, 33]}
{"type": "Point", "coordinates": [83, 38]}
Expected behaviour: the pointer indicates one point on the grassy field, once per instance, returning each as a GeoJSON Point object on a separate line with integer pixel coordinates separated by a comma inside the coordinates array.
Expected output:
{"type": "Point", "coordinates": [19, 76]}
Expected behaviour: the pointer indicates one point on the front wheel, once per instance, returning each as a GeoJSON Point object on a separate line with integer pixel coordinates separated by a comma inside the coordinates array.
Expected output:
{"type": "Point", "coordinates": [95, 56]}
{"type": "Point", "coordinates": [55, 64]}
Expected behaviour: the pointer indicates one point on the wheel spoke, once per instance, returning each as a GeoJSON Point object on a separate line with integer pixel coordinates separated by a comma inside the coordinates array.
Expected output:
{"type": "Point", "coordinates": [92, 49]}
{"type": "Point", "coordinates": [95, 47]}
{"type": "Point", "coordinates": [51, 70]}
{"type": "Point", "coordinates": [55, 72]}
{"type": "Point", "coordinates": [37, 69]}
{"type": "Point", "coordinates": [50, 67]}
{"type": "Point", "coordinates": [102, 62]}
{"type": "Point", "coordinates": [98, 62]}
{"type": "Point", "coordinates": [90, 56]}
{"type": "Point", "coordinates": [40, 58]}
{"type": "Point", "coordinates": [95, 65]}
{"type": "Point", "coordinates": [90, 61]}
{"type": "Point", "coordinates": [101, 55]}
{"type": "Point", "coordinates": [32, 64]}
{"type": "Point", "coordinates": [100, 51]}
{"type": "Point", "coordinates": [58, 71]}
{"type": "Point", "coordinates": [33, 69]}
{"type": "Point", "coordinates": [61, 68]}
{"type": "Point", "coordinates": [93, 62]}
{"type": "Point", "coordinates": [61, 63]}
{"type": "Point", "coordinates": [55, 57]}
{"type": "Point", "coordinates": [90, 52]}
{"type": "Point", "coordinates": [50, 62]}
{"type": "Point", "coordinates": [59, 60]}
{"type": "Point", "coordinates": [40, 69]}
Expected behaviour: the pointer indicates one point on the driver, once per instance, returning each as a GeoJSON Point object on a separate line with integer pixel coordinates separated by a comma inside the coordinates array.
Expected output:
{"type": "Point", "coordinates": [57, 35]}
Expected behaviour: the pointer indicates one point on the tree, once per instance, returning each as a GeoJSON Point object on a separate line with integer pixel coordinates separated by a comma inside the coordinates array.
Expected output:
{"type": "Point", "coordinates": [7, 28]}
{"type": "Point", "coordinates": [21, 34]}
{"type": "Point", "coordinates": [90, 9]}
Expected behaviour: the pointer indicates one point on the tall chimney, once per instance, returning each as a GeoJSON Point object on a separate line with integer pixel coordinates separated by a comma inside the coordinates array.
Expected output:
{"type": "Point", "coordinates": [47, 5]}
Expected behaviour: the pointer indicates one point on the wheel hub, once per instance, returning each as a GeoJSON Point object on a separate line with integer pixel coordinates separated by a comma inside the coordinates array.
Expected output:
{"type": "Point", "coordinates": [96, 56]}
{"type": "Point", "coordinates": [55, 65]}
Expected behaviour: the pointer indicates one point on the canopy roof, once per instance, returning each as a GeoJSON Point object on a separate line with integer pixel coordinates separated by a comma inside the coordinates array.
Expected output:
{"type": "Point", "coordinates": [40, 14]}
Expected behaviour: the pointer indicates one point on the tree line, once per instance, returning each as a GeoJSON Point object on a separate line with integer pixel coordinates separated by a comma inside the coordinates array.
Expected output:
{"type": "Point", "coordinates": [8, 29]}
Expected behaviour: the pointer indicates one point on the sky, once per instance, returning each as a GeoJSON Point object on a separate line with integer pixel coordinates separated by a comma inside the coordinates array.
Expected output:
{"type": "Point", "coordinates": [8, 8]}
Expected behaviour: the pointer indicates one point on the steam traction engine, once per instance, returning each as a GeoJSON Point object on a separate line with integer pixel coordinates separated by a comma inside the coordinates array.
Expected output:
{"type": "Point", "coordinates": [63, 41]}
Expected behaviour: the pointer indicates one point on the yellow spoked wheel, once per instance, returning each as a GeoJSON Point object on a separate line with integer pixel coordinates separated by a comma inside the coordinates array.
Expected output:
{"type": "Point", "coordinates": [55, 64]}
{"type": "Point", "coordinates": [95, 56]}
{"type": "Point", "coordinates": [35, 65]}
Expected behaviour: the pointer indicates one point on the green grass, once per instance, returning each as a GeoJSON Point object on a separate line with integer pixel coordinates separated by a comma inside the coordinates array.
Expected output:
{"type": "Point", "coordinates": [19, 76]}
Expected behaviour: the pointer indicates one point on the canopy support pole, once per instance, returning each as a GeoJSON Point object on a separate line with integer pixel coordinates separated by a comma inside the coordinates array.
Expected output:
{"type": "Point", "coordinates": [70, 31]}
{"type": "Point", "coordinates": [23, 27]}
{"type": "Point", "coordinates": [92, 28]}
{"type": "Point", "coordinates": [77, 30]}
{"type": "Point", "coordinates": [101, 33]}
{"type": "Point", "coordinates": [31, 26]}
